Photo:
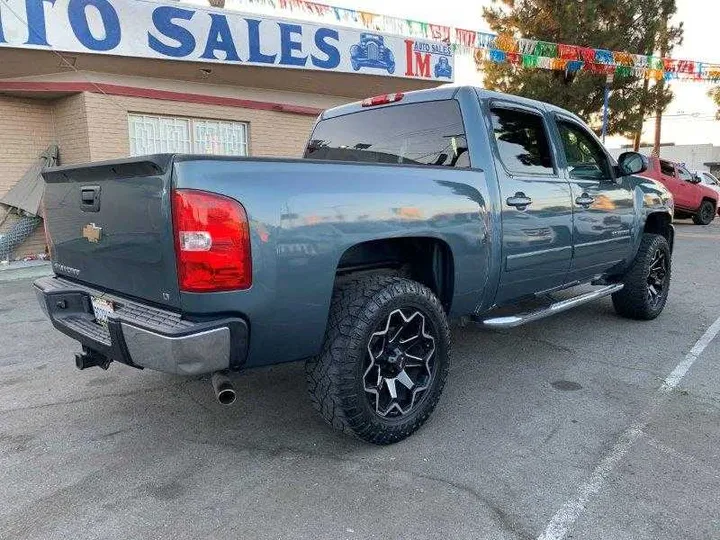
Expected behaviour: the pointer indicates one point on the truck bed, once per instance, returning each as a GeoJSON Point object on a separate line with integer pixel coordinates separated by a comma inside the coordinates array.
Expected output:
{"type": "Point", "coordinates": [303, 215]}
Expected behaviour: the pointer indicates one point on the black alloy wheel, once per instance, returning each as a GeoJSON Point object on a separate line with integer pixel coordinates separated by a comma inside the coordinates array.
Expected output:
{"type": "Point", "coordinates": [647, 280]}
{"type": "Point", "coordinates": [706, 214]}
{"type": "Point", "coordinates": [657, 277]}
{"type": "Point", "coordinates": [400, 362]}
{"type": "Point", "coordinates": [385, 358]}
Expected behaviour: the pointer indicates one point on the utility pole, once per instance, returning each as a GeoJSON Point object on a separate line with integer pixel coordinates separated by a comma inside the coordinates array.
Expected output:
{"type": "Point", "coordinates": [660, 85]}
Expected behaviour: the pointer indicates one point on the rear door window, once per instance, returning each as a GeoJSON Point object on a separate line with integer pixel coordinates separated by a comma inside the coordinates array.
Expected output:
{"type": "Point", "coordinates": [522, 141]}
{"type": "Point", "coordinates": [429, 133]}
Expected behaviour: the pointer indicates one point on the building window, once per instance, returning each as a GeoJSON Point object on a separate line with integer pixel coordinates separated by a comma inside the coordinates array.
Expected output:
{"type": "Point", "coordinates": [158, 134]}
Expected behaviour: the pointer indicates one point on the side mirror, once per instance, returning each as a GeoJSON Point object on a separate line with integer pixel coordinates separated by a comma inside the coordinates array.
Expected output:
{"type": "Point", "coordinates": [632, 163]}
{"type": "Point", "coordinates": [696, 179]}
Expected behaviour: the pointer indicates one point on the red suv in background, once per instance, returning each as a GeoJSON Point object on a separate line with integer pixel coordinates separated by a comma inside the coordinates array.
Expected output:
{"type": "Point", "coordinates": [692, 198]}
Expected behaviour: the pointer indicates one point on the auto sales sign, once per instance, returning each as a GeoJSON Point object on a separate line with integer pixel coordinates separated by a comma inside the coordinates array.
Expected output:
{"type": "Point", "coordinates": [146, 29]}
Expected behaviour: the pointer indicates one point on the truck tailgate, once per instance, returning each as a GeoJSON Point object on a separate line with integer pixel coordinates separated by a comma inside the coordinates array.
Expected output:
{"type": "Point", "coordinates": [110, 226]}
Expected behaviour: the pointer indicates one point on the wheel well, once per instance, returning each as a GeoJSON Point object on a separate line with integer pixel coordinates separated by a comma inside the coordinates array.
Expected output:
{"type": "Point", "coordinates": [426, 260]}
{"type": "Point", "coordinates": [709, 199]}
{"type": "Point", "coordinates": [660, 223]}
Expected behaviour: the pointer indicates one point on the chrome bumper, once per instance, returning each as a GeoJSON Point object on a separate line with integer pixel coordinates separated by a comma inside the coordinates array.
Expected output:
{"type": "Point", "coordinates": [144, 336]}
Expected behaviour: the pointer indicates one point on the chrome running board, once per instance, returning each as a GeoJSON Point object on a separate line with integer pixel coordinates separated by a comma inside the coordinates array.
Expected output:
{"type": "Point", "coordinates": [517, 320]}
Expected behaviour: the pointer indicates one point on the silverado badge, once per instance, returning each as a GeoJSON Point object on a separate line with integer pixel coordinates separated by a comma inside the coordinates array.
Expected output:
{"type": "Point", "coordinates": [92, 232]}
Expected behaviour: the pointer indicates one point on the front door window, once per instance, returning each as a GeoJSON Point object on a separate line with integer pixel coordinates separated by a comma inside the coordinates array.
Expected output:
{"type": "Point", "coordinates": [585, 158]}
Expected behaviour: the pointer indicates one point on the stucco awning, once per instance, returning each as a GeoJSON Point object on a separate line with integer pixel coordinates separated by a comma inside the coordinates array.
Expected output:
{"type": "Point", "coordinates": [21, 64]}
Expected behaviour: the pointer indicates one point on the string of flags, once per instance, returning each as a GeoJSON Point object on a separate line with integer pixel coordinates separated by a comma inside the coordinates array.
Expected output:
{"type": "Point", "coordinates": [523, 53]}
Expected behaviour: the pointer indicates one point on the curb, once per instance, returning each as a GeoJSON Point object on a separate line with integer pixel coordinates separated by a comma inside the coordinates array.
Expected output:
{"type": "Point", "coordinates": [25, 270]}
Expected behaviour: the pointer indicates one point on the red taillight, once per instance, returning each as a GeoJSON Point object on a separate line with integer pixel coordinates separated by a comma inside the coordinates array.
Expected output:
{"type": "Point", "coordinates": [382, 100]}
{"type": "Point", "coordinates": [212, 242]}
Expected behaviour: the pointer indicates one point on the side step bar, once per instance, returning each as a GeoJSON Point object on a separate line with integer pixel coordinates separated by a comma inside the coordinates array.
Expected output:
{"type": "Point", "coordinates": [517, 320]}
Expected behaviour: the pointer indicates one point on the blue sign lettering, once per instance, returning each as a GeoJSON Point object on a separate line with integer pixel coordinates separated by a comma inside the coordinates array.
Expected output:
{"type": "Point", "coordinates": [288, 45]}
{"type": "Point", "coordinates": [441, 49]}
{"type": "Point", "coordinates": [174, 30]}
{"type": "Point", "coordinates": [256, 54]}
{"type": "Point", "coordinates": [78, 21]}
{"type": "Point", "coordinates": [330, 50]}
{"type": "Point", "coordinates": [220, 39]}
{"type": "Point", "coordinates": [35, 11]}
{"type": "Point", "coordinates": [163, 18]}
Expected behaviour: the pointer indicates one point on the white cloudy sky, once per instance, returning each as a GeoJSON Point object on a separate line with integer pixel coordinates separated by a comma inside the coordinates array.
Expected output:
{"type": "Point", "coordinates": [701, 25]}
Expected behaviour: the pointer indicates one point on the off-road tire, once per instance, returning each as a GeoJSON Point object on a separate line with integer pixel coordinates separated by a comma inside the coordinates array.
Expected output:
{"type": "Point", "coordinates": [634, 301]}
{"type": "Point", "coordinates": [335, 377]}
{"type": "Point", "coordinates": [705, 214]}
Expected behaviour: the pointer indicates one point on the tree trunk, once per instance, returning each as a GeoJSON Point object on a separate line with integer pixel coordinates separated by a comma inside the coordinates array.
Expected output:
{"type": "Point", "coordinates": [643, 103]}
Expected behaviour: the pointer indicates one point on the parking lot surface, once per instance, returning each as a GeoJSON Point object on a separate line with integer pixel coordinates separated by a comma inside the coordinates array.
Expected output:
{"type": "Point", "coordinates": [563, 417]}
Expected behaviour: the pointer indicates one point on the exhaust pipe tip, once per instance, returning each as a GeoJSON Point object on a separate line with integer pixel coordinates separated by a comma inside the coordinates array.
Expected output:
{"type": "Point", "coordinates": [224, 390]}
{"type": "Point", "coordinates": [227, 396]}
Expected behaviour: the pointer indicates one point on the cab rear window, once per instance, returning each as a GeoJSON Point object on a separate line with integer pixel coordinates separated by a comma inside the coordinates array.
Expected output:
{"type": "Point", "coordinates": [429, 133]}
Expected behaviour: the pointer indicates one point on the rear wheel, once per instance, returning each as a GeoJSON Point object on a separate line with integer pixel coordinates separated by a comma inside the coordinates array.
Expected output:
{"type": "Point", "coordinates": [706, 214]}
{"type": "Point", "coordinates": [647, 282]}
{"type": "Point", "coordinates": [385, 359]}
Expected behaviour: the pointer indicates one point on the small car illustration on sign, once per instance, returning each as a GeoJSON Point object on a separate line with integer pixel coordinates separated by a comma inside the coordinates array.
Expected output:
{"type": "Point", "coordinates": [443, 68]}
{"type": "Point", "coordinates": [371, 52]}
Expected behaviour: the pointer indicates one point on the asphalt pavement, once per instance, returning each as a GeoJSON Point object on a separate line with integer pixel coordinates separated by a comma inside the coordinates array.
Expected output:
{"type": "Point", "coordinates": [563, 421]}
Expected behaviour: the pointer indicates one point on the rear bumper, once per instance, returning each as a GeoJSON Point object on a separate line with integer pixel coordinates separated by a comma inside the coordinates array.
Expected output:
{"type": "Point", "coordinates": [144, 336]}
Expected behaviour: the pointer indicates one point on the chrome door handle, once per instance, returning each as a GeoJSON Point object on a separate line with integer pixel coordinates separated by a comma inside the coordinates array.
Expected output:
{"type": "Point", "coordinates": [585, 200]}
{"type": "Point", "coordinates": [519, 201]}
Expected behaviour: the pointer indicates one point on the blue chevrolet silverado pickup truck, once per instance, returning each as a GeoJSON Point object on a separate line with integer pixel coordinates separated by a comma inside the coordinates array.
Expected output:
{"type": "Point", "coordinates": [407, 211]}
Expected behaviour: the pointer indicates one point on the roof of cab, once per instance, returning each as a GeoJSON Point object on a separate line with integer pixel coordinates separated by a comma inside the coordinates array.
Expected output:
{"type": "Point", "coordinates": [442, 93]}
{"type": "Point", "coordinates": [416, 96]}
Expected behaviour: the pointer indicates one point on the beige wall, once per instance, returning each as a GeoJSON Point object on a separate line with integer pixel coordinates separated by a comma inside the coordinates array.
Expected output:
{"type": "Point", "coordinates": [271, 133]}
{"type": "Point", "coordinates": [71, 129]}
{"type": "Point", "coordinates": [92, 127]}
{"type": "Point", "coordinates": [26, 129]}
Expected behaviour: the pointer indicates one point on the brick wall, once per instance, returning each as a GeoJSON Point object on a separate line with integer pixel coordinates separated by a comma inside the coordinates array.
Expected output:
{"type": "Point", "coordinates": [93, 127]}
{"type": "Point", "coordinates": [26, 130]}
{"type": "Point", "coordinates": [71, 129]}
{"type": "Point", "coordinates": [271, 133]}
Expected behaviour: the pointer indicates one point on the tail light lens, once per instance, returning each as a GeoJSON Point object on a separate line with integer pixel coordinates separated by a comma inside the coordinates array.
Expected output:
{"type": "Point", "coordinates": [212, 242]}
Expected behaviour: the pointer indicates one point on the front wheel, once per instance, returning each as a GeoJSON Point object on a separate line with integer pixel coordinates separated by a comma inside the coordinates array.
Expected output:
{"type": "Point", "coordinates": [647, 282]}
{"type": "Point", "coordinates": [384, 361]}
{"type": "Point", "coordinates": [705, 215]}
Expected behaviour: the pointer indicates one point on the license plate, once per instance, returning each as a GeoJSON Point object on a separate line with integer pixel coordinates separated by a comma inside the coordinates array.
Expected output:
{"type": "Point", "coordinates": [102, 308]}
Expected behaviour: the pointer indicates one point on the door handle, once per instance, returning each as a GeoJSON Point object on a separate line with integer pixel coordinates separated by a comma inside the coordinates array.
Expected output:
{"type": "Point", "coordinates": [519, 201]}
{"type": "Point", "coordinates": [585, 200]}
{"type": "Point", "coordinates": [90, 198]}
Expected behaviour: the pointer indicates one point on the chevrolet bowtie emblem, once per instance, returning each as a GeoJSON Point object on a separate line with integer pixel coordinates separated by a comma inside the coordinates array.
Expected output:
{"type": "Point", "coordinates": [92, 232]}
